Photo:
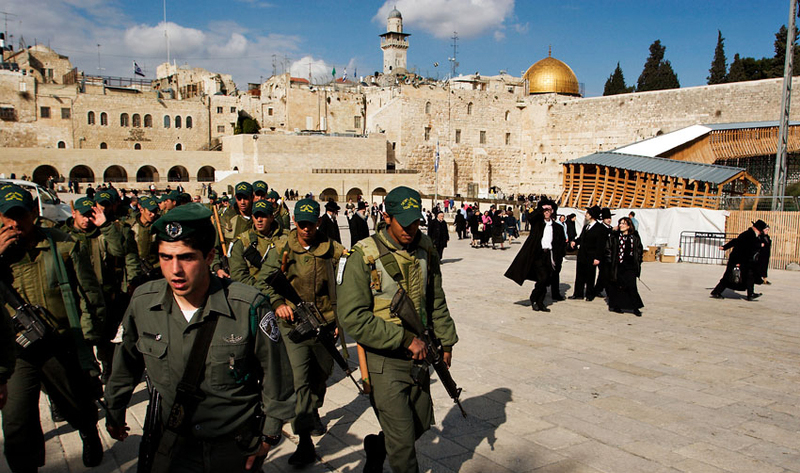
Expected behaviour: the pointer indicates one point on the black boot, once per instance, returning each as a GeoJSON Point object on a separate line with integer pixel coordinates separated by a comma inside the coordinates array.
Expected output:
{"type": "Point", "coordinates": [92, 447]}
{"type": "Point", "coordinates": [375, 448]}
{"type": "Point", "coordinates": [305, 453]}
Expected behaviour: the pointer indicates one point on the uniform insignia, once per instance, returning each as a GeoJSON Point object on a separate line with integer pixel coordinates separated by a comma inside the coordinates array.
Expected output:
{"type": "Point", "coordinates": [232, 338]}
{"type": "Point", "coordinates": [340, 272]}
{"type": "Point", "coordinates": [269, 325]}
{"type": "Point", "coordinates": [174, 229]}
{"type": "Point", "coordinates": [409, 203]}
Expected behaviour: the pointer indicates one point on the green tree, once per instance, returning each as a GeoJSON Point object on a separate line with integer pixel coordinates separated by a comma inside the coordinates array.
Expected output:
{"type": "Point", "coordinates": [718, 72]}
{"type": "Point", "coordinates": [778, 62]}
{"type": "Point", "coordinates": [737, 74]}
{"type": "Point", "coordinates": [616, 83]}
{"type": "Point", "coordinates": [246, 125]}
{"type": "Point", "coordinates": [657, 73]}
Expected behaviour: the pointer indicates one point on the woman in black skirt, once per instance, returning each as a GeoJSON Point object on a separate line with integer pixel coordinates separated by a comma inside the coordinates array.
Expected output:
{"type": "Point", "coordinates": [624, 258]}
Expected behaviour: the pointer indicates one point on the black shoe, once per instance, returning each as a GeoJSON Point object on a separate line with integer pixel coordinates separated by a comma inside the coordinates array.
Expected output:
{"type": "Point", "coordinates": [573, 297]}
{"type": "Point", "coordinates": [375, 448]}
{"type": "Point", "coordinates": [753, 297]}
{"type": "Point", "coordinates": [305, 453]}
{"type": "Point", "coordinates": [558, 297]}
{"type": "Point", "coordinates": [614, 309]}
{"type": "Point", "coordinates": [637, 312]}
{"type": "Point", "coordinates": [716, 296]}
{"type": "Point", "coordinates": [540, 307]}
{"type": "Point", "coordinates": [55, 414]}
{"type": "Point", "coordinates": [92, 448]}
{"type": "Point", "coordinates": [319, 427]}
{"type": "Point", "coordinates": [589, 298]}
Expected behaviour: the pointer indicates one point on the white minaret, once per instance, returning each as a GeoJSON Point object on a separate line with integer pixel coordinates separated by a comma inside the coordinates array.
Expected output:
{"type": "Point", "coordinates": [394, 44]}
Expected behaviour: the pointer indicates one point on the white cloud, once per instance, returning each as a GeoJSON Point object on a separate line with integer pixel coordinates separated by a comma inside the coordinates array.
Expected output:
{"type": "Point", "coordinates": [236, 46]}
{"type": "Point", "coordinates": [320, 71]}
{"type": "Point", "coordinates": [499, 35]}
{"type": "Point", "coordinates": [470, 18]}
{"type": "Point", "coordinates": [150, 41]}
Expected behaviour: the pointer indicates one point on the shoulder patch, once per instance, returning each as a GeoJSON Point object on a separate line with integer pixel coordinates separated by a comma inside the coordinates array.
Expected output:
{"type": "Point", "coordinates": [269, 325]}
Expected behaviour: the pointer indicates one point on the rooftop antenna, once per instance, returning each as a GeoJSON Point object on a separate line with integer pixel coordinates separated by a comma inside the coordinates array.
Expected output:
{"type": "Point", "coordinates": [166, 34]}
{"type": "Point", "coordinates": [5, 28]}
{"type": "Point", "coordinates": [98, 59]}
{"type": "Point", "coordinates": [453, 61]}
{"type": "Point", "coordinates": [274, 58]}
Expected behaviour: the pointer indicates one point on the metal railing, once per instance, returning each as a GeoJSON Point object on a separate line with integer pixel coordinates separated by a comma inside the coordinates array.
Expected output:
{"type": "Point", "coordinates": [703, 247]}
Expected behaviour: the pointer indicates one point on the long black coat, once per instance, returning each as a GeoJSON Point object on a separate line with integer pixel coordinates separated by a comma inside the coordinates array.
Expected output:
{"type": "Point", "coordinates": [531, 263]}
{"type": "Point", "coordinates": [592, 243]}
{"type": "Point", "coordinates": [611, 254]}
{"type": "Point", "coordinates": [746, 247]}
{"type": "Point", "coordinates": [437, 231]}
{"type": "Point", "coordinates": [329, 228]}
{"type": "Point", "coordinates": [358, 229]}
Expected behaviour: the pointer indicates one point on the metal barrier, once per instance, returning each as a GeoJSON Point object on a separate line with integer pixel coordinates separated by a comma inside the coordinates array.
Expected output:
{"type": "Point", "coordinates": [703, 247]}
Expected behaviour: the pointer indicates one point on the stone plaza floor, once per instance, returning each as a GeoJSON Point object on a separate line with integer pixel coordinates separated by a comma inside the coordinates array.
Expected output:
{"type": "Point", "coordinates": [695, 385]}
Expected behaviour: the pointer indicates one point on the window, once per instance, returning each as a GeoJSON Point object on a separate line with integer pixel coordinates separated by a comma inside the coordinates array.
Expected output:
{"type": "Point", "coordinates": [104, 119]}
{"type": "Point", "coordinates": [103, 146]}
{"type": "Point", "coordinates": [178, 147]}
{"type": "Point", "coordinates": [219, 109]}
{"type": "Point", "coordinates": [61, 145]}
{"type": "Point", "coordinates": [44, 112]}
{"type": "Point", "coordinates": [177, 121]}
{"type": "Point", "coordinates": [357, 122]}
{"type": "Point", "coordinates": [137, 120]}
{"type": "Point", "coordinates": [124, 120]}
{"type": "Point", "coordinates": [508, 115]}
{"type": "Point", "coordinates": [458, 136]}
{"type": "Point", "coordinates": [90, 118]}
{"type": "Point", "coordinates": [233, 109]}
{"type": "Point", "coordinates": [427, 133]}
{"type": "Point", "coordinates": [269, 111]}
{"type": "Point", "coordinates": [483, 137]}
{"type": "Point", "coordinates": [427, 108]}
{"type": "Point", "coordinates": [508, 138]}
{"type": "Point", "coordinates": [8, 114]}
{"type": "Point", "coordinates": [166, 121]}
{"type": "Point", "coordinates": [469, 108]}
{"type": "Point", "coordinates": [148, 121]}
{"type": "Point", "coordinates": [188, 122]}
{"type": "Point", "coordinates": [220, 128]}
{"type": "Point", "coordinates": [50, 74]}
{"type": "Point", "coordinates": [137, 146]}
{"type": "Point", "coordinates": [65, 114]}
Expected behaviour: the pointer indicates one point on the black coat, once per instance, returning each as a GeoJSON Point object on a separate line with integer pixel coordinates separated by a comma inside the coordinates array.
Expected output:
{"type": "Point", "coordinates": [329, 228]}
{"type": "Point", "coordinates": [571, 232]}
{"type": "Point", "coordinates": [612, 255]}
{"type": "Point", "coordinates": [592, 243]}
{"type": "Point", "coordinates": [763, 256]}
{"type": "Point", "coordinates": [746, 247]}
{"type": "Point", "coordinates": [531, 263]}
{"type": "Point", "coordinates": [358, 229]}
{"type": "Point", "coordinates": [437, 231]}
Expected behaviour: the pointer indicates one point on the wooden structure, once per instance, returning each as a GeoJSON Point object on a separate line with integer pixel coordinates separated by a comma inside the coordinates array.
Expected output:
{"type": "Point", "coordinates": [784, 230]}
{"type": "Point", "coordinates": [734, 141]}
{"type": "Point", "coordinates": [622, 180]}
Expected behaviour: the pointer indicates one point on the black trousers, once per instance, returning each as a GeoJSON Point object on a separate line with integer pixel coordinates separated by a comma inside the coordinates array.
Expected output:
{"type": "Point", "coordinates": [55, 365]}
{"type": "Point", "coordinates": [584, 280]}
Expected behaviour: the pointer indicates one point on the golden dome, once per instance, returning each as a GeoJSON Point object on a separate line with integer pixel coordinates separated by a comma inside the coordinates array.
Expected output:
{"type": "Point", "coordinates": [552, 76]}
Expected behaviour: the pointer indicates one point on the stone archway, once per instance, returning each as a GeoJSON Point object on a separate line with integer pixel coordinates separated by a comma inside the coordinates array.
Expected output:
{"type": "Point", "coordinates": [353, 194]}
{"type": "Point", "coordinates": [329, 193]}
{"type": "Point", "coordinates": [379, 192]}
{"type": "Point", "coordinates": [205, 174]}
{"type": "Point", "coordinates": [41, 173]}
{"type": "Point", "coordinates": [81, 173]}
{"type": "Point", "coordinates": [115, 173]}
{"type": "Point", "coordinates": [147, 173]}
{"type": "Point", "coordinates": [178, 174]}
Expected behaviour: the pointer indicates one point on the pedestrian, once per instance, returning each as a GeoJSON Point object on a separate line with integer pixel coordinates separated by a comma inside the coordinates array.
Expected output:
{"type": "Point", "coordinates": [90, 191]}
{"type": "Point", "coordinates": [437, 232]}
{"type": "Point", "coordinates": [740, 272]}
{"type": "Point", "coordinates": [359, 229]}
{"type": "Point", "coordinates": [591, 245]}
{"type": "Point", "coordinates": [402, 402]}
{"type": "Point", "coordinates": [374, 212]}
{"type": "Point", "coordinates": [235, 391]}
{"type": "Point", "coordinates": [763, 257]}
{"type": "Point", "coordinates": [602, 268]}
{"type": "Point", "coordinates": [498, 228]}
{"type": "Point", "coordinates": [623, 257]}
{"type": "Point", "coordinates": [460, 223]}
{"type": "Point", "coordinates": [486, 228]}
{"type": "Point", "coordinates": [328, 224]}
{"type": "Point", "coordinates": [632, 216]}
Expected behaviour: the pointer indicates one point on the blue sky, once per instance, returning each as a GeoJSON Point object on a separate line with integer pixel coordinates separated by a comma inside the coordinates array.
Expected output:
{"type": "Point", "coordinates": [240, 37]}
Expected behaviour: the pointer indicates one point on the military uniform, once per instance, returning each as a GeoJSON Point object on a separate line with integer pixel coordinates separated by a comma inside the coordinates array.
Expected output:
{"type": "Point", "coordinates": [53, 363]}
{"type": "Point", "coordinates": [404, 409]}
{"type": "Point", "coordinates": [281, 212]}
{"type": "Point", "coordinates": [246, 374]}
{"type": "Point", "coordinates": [251, 248]}
{"type": "Point", "coordinates": [235, 224]}
{"type": "Point", "coordinates": [310, 271]}
{"type": "Point", "coordinates": [144, 238]}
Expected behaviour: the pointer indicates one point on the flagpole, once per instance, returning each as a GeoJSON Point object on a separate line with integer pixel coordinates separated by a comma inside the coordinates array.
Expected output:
{"type": "Point", "coordinates": [436, 172]}
{"type": "Point", "coordinates": [166, 34]}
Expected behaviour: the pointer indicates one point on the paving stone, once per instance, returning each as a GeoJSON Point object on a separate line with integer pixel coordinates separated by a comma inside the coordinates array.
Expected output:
{"type": "Point", "coordinates": [726, 459]}
{"type": "Point", "coordinates": [556, 438]}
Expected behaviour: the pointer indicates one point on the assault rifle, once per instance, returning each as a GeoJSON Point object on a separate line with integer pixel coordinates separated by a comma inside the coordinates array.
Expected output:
{"type": "Point", "coordinates": [151, 430]}
{"type": "Point", "coordinates": [403, 308]}
{"type": "Point", "coordinates": [223, 254]}
{"type": "Point", "coordinates": [309, 322]}
{"type": "Point", "coordinates": [30, 322]}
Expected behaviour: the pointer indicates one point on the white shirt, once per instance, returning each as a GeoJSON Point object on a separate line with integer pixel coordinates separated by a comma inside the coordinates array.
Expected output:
{"type": "Point", "coordinates": [547, 236]}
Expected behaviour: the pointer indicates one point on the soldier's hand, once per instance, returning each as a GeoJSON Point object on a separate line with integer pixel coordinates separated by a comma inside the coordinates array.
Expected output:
{"type": "Point", "coordinates": [262, 451]}
{"type": "Point", "coordinates": [98, 218]}
{"type": "Point", "coordinates": [285, 312]}
{"type": "Point", "coordinates": [447, 357]}
{"type": "Point", "coordinates": [8, 236]}
{"type": "Point", "coordinates": [3, 395]}
{"type": "Point", "coordinates": [118, 432]}
{"type": "Point", "coordinates": [418, 349]}
{"type": "Point", "coordinates": [221, 273]}
{"type": "Point", "coordinates": [596, 262]}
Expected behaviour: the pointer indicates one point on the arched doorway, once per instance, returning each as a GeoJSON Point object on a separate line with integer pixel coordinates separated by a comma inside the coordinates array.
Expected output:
{"type": "Point", "coordinates": [379, 192]}
{"type": "Point", "coordinates": [147, 174]}
{"type": "Point", "coordinates": [81, 173]}
{"type": "Point", "coordinates": [329, 193]}
{"type": "Point", "coordinates": [41, 173]}
{"type": "Point", "coordinates": [353, 194]}
{"type": "Point", "coordinates": [178, 174]}
{"type": "Point", "coordinates": [205, 174]}
{"type": "Point", "coordinates": [115, 174]}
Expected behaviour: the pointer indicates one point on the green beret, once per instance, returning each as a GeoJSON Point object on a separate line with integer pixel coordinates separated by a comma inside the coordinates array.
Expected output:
{"type": "Point", "coordinates": [173, 195]}
{"type": "Point", "coordinates": [149, 203]}
{"type": "Point", "coordinates": [273, 195]}
{"type": "Point", "coordinates": [224, 198]}
{"type": "Point", "coordinates": [212, 195]}
{"type": "Point", "coordinates": [260, 187]}
{"type": "Point", "coordinates": [84, 205]}
{"type": "Point", "coordinates": [262, 206]}
{"type": "Point", "coordinates": [15, 196]}
{"type": "Point", "coordinates": [306, 210]}
{"type": "Point", "coordinates": [105, 196]}
{"type": "Point", "coordinates": [243, 188]}
{"type": "Point", "coordinates": [182, 222]}
{"type": "Point", "coordinates": [404, 204]}
{"type": "Point", "coordinates": [185, 197]}
{"type": "Point", "coordinates": [114, 194]}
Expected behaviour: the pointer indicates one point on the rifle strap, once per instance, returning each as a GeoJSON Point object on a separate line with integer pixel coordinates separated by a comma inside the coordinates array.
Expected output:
{"type": "Point", "coordinates": [389, 263]}
{"type": "Point", "coordinates": [85, 356]}
{"type": "Point", "coordinates": [331, 274]}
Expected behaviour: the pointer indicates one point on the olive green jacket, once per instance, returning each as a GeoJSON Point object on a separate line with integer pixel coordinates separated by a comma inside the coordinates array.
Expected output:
{"type": "Point", "coordinates": [7, 344]}
{"type": "Point", "coordinates": [283, 218]}
{"type": "Point", "coordinates": [243, 270]}
{"type": "Point", "coordinates": [36, 280]}
{"type": "Point", "coordinates": [356, 298]}
{"type": "Point", "coordinates": [145, 243]}
{"type": "Point", "coordinates": [246, 348]}
{"type": "Point", "coordinates": [306, 270]}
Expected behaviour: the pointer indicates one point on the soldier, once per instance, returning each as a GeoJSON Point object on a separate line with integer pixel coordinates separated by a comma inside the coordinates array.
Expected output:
{"type": "Point", "coordinates": [212, 200]}
{"type": "Point", "coordinates": [281, 211]}
{"type": "Point", "coordinates": [142, 232]}
{"type": "Point", "coordinates": [49, 269]}
{"type": "Point", "coordinates": [237, 223]}
{"type": "Point", "coordinates": [236, 393]}
{"type": "Point", "coordinates": [310, 264]}
{"type": "Point", "coordinates": [398, 255]}
{"type": "Point", "coordinates": [260, 191]}
{"type": "Point", "coordinates": [171, 200]}
{"type": "Point", "coordinates": [252, 247]}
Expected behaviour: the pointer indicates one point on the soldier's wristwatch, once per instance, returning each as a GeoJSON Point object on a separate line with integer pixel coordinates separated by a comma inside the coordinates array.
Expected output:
{"type": "Point", "coordinates": [271, 440]}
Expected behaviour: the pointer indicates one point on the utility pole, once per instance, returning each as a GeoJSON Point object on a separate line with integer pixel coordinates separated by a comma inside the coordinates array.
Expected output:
{"type": "Point", "coordinates": [274, 63]}
{"type": "Point", "coordinates": [166, 33]}
{"type": "Point", "coordinates": [99, 68]}
{"type": "Point", "coordinates": [781, 157]}
{"type": "Point", "coordinates": [453, 61]}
